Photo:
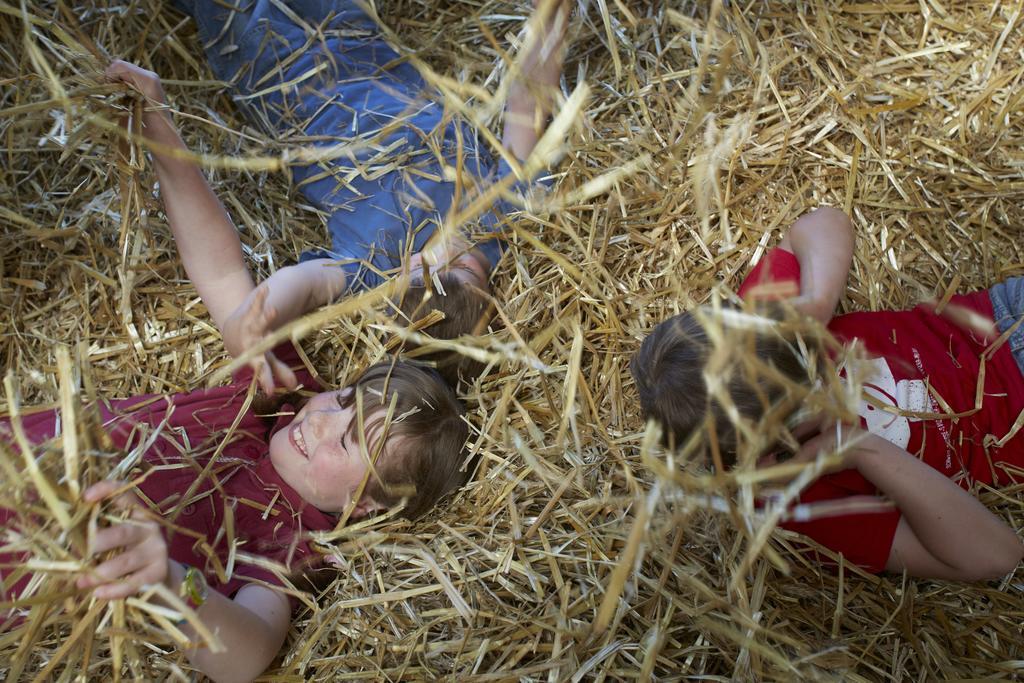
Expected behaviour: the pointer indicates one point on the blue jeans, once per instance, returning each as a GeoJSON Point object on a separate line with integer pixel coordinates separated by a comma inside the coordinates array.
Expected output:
{"type": "Point", "coordinates": [315, 68]}
{"type": "Point", "coordinates": [1007, 308]}
{"type": "Point", "coordinates": [319, 72]}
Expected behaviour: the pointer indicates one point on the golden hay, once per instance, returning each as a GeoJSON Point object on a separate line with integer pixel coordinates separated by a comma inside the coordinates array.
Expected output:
{"type": "Point", "coordinates": [708, 129]}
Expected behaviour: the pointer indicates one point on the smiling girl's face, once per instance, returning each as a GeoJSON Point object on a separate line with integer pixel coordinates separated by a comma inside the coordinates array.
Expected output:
{"type": "Point", "coordinates": [317, 457]}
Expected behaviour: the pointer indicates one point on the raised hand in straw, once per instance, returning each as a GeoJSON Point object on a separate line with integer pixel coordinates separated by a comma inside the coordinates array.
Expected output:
{"type": "Point", "coordinates": [143, 550]}
{"type": "Point", "coordinates": [146, 82]}
{"type": "Point", "coordinates": [535, 77]}
{"type": "Point", "coordinates": [251, 322]}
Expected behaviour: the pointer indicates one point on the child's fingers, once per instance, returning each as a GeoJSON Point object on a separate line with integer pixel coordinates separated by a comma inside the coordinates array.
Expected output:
{"type": "Point", "coordinates": [132, 584]}
{"type": "Point", "coordinates": [99, 491]}
{"type": "Point", "coordinates": [264, 374]}
{"type": "Point", "coordinates": [259, 300]}
{"type": "Point", "coordinates": [257, 315]}
{"type": "Point", "coordinates": [809, 450]}
{"type": "Point", "coordinates": [126, 500]}
{"type": "Point", "coordinates": [265, 321]}
{"type": "Point", "coordinates": [114, 69]}
{"type": "Point", "coordinates": [127, 533]}
{"type": "Point", "coordinates": [144, 561]}
{"type": "Point", "coordinates": [282, 372]}
{"type": "Point", "coordinates": [269, 316]}
{"type": "Point", "coordinates": [118, 70]}
{"type": "Point", "coordinates": [120, 566]}
{"type": "Point", "coordinates": [116, 591]}
{"type": "Point", "coordinates": [142, 80]}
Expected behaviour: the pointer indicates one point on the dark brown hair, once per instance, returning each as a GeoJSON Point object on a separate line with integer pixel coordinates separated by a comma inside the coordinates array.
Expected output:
{"type": "Point", "coordinates": [422, 456]}
{"type": "Point", "coordinates": [669, 374]}
{"type": "Point", "coordinates": [466, 312]}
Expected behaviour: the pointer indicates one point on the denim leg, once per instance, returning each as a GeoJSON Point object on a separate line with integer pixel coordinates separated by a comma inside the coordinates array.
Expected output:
{"type": "Point", "coordinates": [1007, 308]}
{"type": "Point", "coordinates": [287, 61]}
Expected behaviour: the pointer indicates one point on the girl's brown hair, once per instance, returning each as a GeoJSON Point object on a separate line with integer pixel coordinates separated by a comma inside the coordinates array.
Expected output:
{"type": "Point", "coordinates": [424, 441]}
{"type": "Point", "coordinates": [669, 373]}
{"type": "Point", "coordinates": [466, 312]}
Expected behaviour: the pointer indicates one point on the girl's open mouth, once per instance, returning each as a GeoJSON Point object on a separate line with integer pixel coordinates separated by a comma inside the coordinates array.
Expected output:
{"type": "Point", "coordinates": [295, 436]}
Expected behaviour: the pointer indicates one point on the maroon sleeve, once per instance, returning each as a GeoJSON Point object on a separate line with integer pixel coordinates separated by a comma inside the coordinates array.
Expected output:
{"type": "Point", "coordinates": [862, 538]}
{"type": "Point", "coordinates": [775, 267]}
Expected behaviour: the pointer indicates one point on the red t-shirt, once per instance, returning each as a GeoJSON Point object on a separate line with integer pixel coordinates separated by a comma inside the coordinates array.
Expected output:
{"type": "Point", "coordinates": [180, 434]}
{"type": "Point", "coordinates": [923, 362]}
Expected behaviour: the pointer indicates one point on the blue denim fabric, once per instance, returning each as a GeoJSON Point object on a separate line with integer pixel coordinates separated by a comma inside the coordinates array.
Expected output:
{"type": "Point", "coordinates": [319, 73]}
{"type": "Point", "coordinates": [1007, 308]}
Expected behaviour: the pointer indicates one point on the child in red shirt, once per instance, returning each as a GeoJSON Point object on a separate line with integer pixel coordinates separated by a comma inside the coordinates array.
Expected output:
{"type": "Point", "coordinates": [222, 485]}
{"type": "Point", "coordinates": [920, 441]}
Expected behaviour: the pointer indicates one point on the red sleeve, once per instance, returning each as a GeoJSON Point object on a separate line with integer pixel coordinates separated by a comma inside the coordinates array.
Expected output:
{"type": "Point", "coordinates": [863, 538]}
{"type": "Point", "coordinates": [777, 266]}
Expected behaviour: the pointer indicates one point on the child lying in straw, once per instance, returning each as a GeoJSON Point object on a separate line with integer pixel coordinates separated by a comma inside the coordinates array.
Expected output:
{"type": "Point", "coordinates": [907, 448]}
{"type": "Point", "coordinates": [222, 485]}
{"type": "Point", "coordinates": [319, 72]}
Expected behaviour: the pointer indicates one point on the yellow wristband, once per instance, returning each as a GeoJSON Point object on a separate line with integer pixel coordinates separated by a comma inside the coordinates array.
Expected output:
{"type": "Point", "coordinates": [194, 589]}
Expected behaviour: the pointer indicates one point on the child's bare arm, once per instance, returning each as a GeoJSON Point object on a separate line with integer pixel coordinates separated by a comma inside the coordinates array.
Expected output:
{"type": "Point", "coordinates": [207, 241]}
{"type": "Point", "coordinates": [284, 296]}
{"type": "Point", "coordinates": [252, 627]}
{"type": "Point", "coordinates": [822, 241]}
{"type": "Point", "coordinates": [296, 290]}
{"type": "Point", "coordinates": [212, 252]}
{"type": "Point", "coordinates": [532, 93]}
{"type": "Point", "coordinates": [944, 532]}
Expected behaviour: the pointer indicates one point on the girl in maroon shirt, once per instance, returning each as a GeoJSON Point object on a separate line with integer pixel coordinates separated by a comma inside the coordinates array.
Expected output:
{"type": "Point", "coordinates": [222, 485]}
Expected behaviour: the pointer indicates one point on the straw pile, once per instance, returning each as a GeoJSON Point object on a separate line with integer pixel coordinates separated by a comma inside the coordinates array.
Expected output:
{"type": "Point", "coordinates": [47, 532]}
{"type": "Point", "coordinates": [578, 551]}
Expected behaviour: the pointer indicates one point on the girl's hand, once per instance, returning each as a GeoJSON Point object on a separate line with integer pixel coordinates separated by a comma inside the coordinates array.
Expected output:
{"type": "Point", "coordinates": [143, 559]}
{"type": "Point", "coordinates": [146, 82]}
{"type": "Point", "coordinates": [832, 437]}
{"type": "Point", "coordinates": [815, 440]}
{"type": "Point", "coordinates": [245, 328]}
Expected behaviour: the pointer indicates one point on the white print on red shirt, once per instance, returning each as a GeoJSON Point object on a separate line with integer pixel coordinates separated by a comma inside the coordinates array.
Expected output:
{"type": "Point", "coordinates": [910, 395]}
{"type": "Point", "coordinates": [943, 430]}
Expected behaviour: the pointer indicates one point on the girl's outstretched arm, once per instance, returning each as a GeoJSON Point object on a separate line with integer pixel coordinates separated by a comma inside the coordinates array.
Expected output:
{"type": "Point", "coordinates": [206, 238]}
{"type": "Point", "coordinates": [211, 250]}
{"type": "Point", "coordinates": [822, 241]}
{"type": "Point", "coordinates": [532, 93]}
{"type": "Point", "coordinates": [944, 532]}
